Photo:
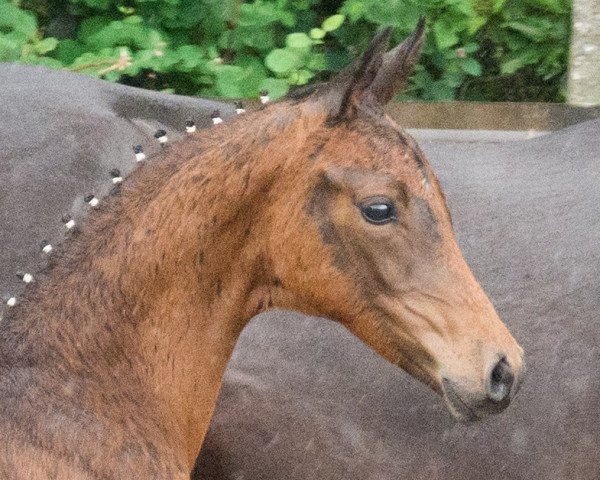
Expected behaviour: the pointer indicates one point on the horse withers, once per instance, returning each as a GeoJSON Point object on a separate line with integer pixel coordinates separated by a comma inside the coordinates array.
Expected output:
{"type": "Point", "coordinates": [110, 365]}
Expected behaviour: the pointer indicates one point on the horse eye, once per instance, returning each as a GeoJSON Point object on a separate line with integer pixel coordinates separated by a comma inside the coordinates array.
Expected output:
{"type": "Point", "coordinates": [379, 212]}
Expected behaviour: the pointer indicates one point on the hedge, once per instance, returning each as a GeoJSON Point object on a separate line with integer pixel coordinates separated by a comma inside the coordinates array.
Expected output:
{"type": "Point", "coordinates": [476, 49]}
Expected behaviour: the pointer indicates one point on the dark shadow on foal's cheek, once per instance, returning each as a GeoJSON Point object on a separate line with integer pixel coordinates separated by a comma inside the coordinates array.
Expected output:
{"type": "Point", "coordinates": [318, 208]}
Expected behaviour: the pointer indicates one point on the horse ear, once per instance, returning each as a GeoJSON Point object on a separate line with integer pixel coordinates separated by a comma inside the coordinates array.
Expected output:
{"type": "Point", "coordinates": [348, 86]}
{"type": "Point", "coordinates": [397, 66]}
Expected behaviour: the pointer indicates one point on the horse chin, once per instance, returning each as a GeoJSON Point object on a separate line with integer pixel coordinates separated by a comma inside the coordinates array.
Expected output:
{"type": "Point", "coordinates": [422, 374]}
{"type": "Point", "coordinates": [458, 408]}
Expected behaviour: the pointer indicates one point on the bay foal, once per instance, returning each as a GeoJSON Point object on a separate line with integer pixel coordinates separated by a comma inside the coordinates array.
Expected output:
{"type": "Point", "coordinates": [111, 364]}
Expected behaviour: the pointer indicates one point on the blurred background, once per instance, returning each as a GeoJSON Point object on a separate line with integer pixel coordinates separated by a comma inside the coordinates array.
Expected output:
{"type": "Point", "coordinates": [484, 50]}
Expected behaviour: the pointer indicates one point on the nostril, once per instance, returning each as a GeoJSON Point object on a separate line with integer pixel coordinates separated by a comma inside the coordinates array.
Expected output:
{"type": "Point", "coordinates": [501, 381]}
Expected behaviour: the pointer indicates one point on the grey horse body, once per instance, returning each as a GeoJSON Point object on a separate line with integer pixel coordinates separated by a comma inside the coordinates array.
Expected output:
{"type": "Point", "coordinates": [61, 135]}
{"type": "Point", "coordinates": [302, 398]}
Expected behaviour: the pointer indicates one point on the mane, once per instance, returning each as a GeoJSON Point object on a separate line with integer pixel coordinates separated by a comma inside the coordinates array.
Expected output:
{"type": "Point", "coordinates": [302, 92]}
{"type": "Point", "coordinates": [224, 149]}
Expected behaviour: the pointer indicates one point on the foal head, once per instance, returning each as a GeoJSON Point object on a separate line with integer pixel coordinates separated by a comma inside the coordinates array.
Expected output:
{"type": "Point", "coordinates": [361, 233]}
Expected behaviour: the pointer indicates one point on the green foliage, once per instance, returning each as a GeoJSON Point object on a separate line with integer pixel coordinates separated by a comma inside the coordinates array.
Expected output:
{"type": "Point", "coordinates": [525, 46]}
{"type": "Point", "coordinates": [475, 49]}
{"type": "Point", "coordinates": [19, 36]}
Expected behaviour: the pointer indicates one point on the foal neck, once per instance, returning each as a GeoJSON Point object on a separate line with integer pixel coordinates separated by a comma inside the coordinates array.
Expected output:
{"type": "Point", "coordinates": [165, 274]}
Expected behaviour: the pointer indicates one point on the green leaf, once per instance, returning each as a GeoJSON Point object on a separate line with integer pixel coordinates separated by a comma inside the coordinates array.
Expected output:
{"type": "Point", "coordinates": [511, 66]}
{"type": "Point", "coordinates": [68, 50]}
{"type": "Point", "coordinates": [538, 29]}
{"type": "Point", "coordinates": [112, 76]}
{"type": "Point", "coordinates": [519, 61]}
{"type": "Point", "coordinates": [261, 14]}
{"type": "Point", "coordinates": [241, 80]}
{"type": "Point", "coordinates": [46, 45]}
{"type": "Point", "coordinates": [530, 31]}
{"type": "Point", "coordinates": [298, 40]}
{"type": "Point", "coordinates": [317, 62]}
{"type": "Point", "coordinates": [126, 10]}
{"type": "Point", "coordinates": [90, 26]}
{"type": "Point", "coordinates": [98, 4]}
{"type": "Point", "coordinates": [133, 19]}
{"type": "Point", "coordinates": [300, 77]}
{"type": "Point", "coordinates": [191, 56]}
{"type": "Point", "coordinates": [317, 33]}
{"type": "Point", "coordinates": [440, 91]}
{"type": "Point", "coordinates": [92, 63]}
{"type": "Point", "coordinates": [14, 19]}
{"type": "Point", "coordinates": [470, 66]}
{"type": "Point", "coordinates": [275, 86]}
{"type": "Point", "coordinates": [258, 38]}
{"type": "Point", "coordinates": [355, 9]}
{"type": "Point", "coordinates": [333, 23]}
{"type": "Point", "coordinates": [202, 15]}
{"type": "Point", "coordinates": [558, 7]}
{"type": "Point", "coordinates": [445, 35]}
{"type": "Point", "coordinates": [228, 81]}
{"type": "Point", "coordinates": [10, 48]}
{"type": "Point", "coordinates": [283, 60]}
{"type": "Point", "coordinates": [471, 47]}
{"type": "Point", "coordinates": [475, 23]}
{"type": "Point", "coordinates": [119, 33]}
{"type": "Point", "coordinates": [498, 5]}
{"type": "Point", "coordinates": [453, 80]}
{"type": "Point", "coordinates": [302, 4]}
{"type": "Point", "coordinates": [403, 14]}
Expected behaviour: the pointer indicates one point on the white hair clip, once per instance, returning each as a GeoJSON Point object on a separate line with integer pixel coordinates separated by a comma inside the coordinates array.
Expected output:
{"type": "Point", "coordinates": [68, 221]}
{"type": "Point", "coordinates": [161, 136]}
{"type": "Point", "coordinates": [140, 156]}
{"type": "Point", "coordinates": [46, 247]}
{"type": "Point", "coordinates": [216, 117]}
{"type": "Point", "coordinates": [26, 277]}
{"type": "Point", "coordinates": [91, 200]}
{"type": "Point", "coordinates": [9, 300]}
{"type": "Point", "coordinates": [190, 126]}
{"type": "Point", "coordinates": [115, 175]}
{"type": "Point", "coordinates": [239, 108]}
